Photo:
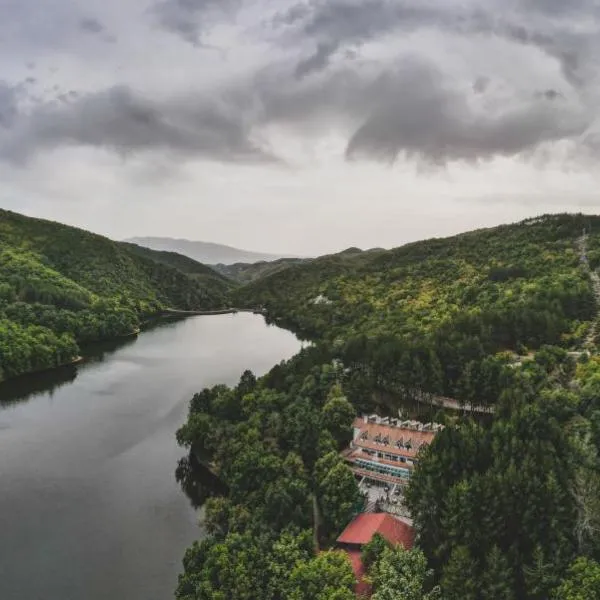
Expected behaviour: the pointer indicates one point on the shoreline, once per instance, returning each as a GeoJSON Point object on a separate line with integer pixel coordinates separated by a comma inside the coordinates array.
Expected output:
{"type": "Point", "coordinates": [165, 314]}
{"type": "Point", "coordinates": [74, 361]}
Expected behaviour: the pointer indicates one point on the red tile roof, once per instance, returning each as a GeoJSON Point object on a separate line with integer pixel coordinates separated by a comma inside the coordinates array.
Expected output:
{"type": "Point", "coordinates": [394, 434]}
{"type": "Point", "coordinates": [365, 525]}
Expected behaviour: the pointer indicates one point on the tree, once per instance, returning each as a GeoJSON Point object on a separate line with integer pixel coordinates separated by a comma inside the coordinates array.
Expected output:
{"type": "Point", "coordinates": [582, 581]}
{"type": "Point", "coordinates": [458, 580]}
{"type": "Point", "coordinates": [497, 578]}
{"type": "Point", "coordinates": [337, 493]}
{"type": "Point", "coordinates": [288, 552]}
{"type": "Point", "coordinates": [401, 574]}
{"type": "Point", "coordinates": [337, 416]}
{"type": "Point", "coordinates": [372, 551]}
{"type": "Point", "coordinates": [328, 576]}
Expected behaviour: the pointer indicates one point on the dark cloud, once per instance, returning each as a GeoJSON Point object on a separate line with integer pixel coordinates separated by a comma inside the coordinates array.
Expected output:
{"type": "Point", "coordinates": [412, 110]}
{"type": "Point", "coordinates": [8, 104]}
{"type": "Point", "coordinates": [317, 61]}
{"type": "Point", "coordinates": [354, 21]}
{"type": "Point", "coordinates": [419, 117]}
{"type": "Point", "coordinates": [386, 107]}
{"type": "Point", "coordinates": [416, 111]}
{"type": "Point", "coordinates": [542, 24]}
{"type": "Point", "coordinates": [122, 121]}
{"type": "Point", "coordinates": [551, 94]}
{"type": "Point", "coordinates": [190, 19]}
{"type": "Point", "coordinates": [481, 84]}
{"type": "Point", "coordinates": [91, 25]}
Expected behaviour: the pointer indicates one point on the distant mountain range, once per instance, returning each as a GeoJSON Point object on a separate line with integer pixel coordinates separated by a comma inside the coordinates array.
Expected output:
{"type": "Point", "coordinates": [205, 252]}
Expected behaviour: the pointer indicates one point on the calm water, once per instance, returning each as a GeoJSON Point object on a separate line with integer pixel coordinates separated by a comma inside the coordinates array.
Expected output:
{"type": "Point", "coordinates": [89, 505]}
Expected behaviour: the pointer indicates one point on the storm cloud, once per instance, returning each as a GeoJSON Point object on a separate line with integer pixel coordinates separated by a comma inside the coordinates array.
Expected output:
{"type": "Point", "coordinates": [190, 19]}
{"type": "Point", "coordinates": [378, 72]}
{"type": "Point", "coordinates": [120, 120]}
{"type": "Point", "coordinates": [91, 25]}
{"type": "Point", "coordinates": [303, 124]}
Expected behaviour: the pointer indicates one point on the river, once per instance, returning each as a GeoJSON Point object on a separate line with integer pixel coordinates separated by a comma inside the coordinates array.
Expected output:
{"type": "Point", "coordinates": [89, 505]}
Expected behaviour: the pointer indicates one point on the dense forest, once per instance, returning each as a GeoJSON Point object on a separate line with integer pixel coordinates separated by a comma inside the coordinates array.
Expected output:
{"type": "Point", "coordinates": [505, 505]}
{"type": "Point", "coordinates": [442, 310]}
{"type": "Point", "coordinates": [275, 445]}
{"type": "Point", "coordinates": [61, 287]}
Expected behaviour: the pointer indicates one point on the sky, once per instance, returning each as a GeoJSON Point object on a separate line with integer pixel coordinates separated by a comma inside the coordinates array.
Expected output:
{"type": "Point", "coordinates": [298, 126]}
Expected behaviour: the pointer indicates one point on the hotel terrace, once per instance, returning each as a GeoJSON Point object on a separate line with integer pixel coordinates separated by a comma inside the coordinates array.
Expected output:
{"type": "Point", "coordinates": [383, 451]}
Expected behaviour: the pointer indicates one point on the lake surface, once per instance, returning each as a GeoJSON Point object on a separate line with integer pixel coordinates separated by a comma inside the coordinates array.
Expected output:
{"type": "Point", "coordinates": [89, 505]}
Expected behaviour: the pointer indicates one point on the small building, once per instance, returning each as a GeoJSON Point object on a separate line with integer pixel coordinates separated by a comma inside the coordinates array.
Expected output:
{"type": "Point", "coordinates": [384, 450]}
{"type": "Point", "coordinates": [361, 530]}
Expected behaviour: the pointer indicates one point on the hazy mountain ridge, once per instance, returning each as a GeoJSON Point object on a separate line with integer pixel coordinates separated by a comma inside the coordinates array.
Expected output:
{"type": "Point", "coordinates": [208, 253]}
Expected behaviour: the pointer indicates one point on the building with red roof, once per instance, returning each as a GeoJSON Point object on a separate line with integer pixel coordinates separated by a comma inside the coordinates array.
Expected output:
{"type": "Point", "coordinates": [361, 530]}
{"type": "Point", "coordinates": [385, 450]}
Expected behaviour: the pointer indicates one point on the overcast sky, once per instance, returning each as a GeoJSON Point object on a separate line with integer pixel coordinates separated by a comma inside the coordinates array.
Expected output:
{"type": "Point", "coordinates": [298, 126]}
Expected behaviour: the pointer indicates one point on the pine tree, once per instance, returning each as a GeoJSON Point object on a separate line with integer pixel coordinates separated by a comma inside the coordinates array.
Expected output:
{"type": "Point", "coordinates": [459, 578]}
{"type": "Point", "coordinates": [497, 579]}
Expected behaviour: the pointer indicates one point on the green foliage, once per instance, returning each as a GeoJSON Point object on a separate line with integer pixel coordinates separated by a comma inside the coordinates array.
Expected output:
{"type": "Point", "coordinates": [582, 582]}
{"type": "Point", "coordinates": [248, 272]}
{"type": "Point", "coordinates": [494, 504]}
{"type": "Point", "coordinates": [272, 447]}
{"type": "Point", "coordinates": [400, 574]}
{"type": "Point", "coordinates": [435, 315]}
{"type": "Point", "coordinates": [328, 576]}
{"type": "Point", "coordinates": [337, 416]}
{"type": "Point", "coordinates": [61, 286]}
{"type": "Point", "coordinates": [337, 493]}
{"type": "Point", "coordinates": [459, 578]}
{"type": "Point", "coordinates": [512, 284]}
{"type": "Point", "coordinates": [372, 551]}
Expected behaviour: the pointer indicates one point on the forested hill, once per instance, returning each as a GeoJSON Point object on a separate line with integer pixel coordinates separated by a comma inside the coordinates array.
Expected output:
{"type": "Point", "coordinates": [448, 302]}
{"type": "Point", "coordinates": [482, 277]}
{"type": "Point", "coordinates": [245, 273]}
{"type": "Point", "coordinates": [505, 506]}
{"type": "Point", "coordinates": [61, 286]}
{"type": "Point", "coordinates": [248, 272]}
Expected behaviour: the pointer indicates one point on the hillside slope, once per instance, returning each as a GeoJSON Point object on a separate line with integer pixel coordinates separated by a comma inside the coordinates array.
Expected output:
{"type": "Point", "coordinates": [513, 287]}
{"type": "Point", "coordinates": [248, 272]}
{"type": "Point", "coordinates": [203, 252]}
{"type": "Point", "coordinates": [60, 286]}
{"type": "Point", "coordinates": [245, 273]}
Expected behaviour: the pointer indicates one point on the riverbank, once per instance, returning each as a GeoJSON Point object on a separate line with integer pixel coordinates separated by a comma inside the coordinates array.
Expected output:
{"type": "Point", "coordinates": [75, 361]}
{"type": "Point", "coordinates": [153, 319]}
{"type": "Point", "coordinates": [89, 453]}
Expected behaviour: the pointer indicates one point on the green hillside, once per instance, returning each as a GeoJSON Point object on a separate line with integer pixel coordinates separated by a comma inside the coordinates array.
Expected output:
{"type": "Point", "coordinates": [244, 273]}
{"type": "Point", "coordinates": [505, 504]}
{"type": "Point", "coordinates": [449, 301]}
{"type": "Point", "coordinates": [61, 286]}
{"type": "Point", "coordinates": [484, 277]}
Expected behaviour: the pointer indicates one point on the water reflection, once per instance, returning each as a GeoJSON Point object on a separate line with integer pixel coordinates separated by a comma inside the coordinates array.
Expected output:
{"type": "Point", "coordinates": [197, 481]}
{"type": "Point", "coordinates": [89, 502]}
{"type": "Point", "coordinates": [25, 387]}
